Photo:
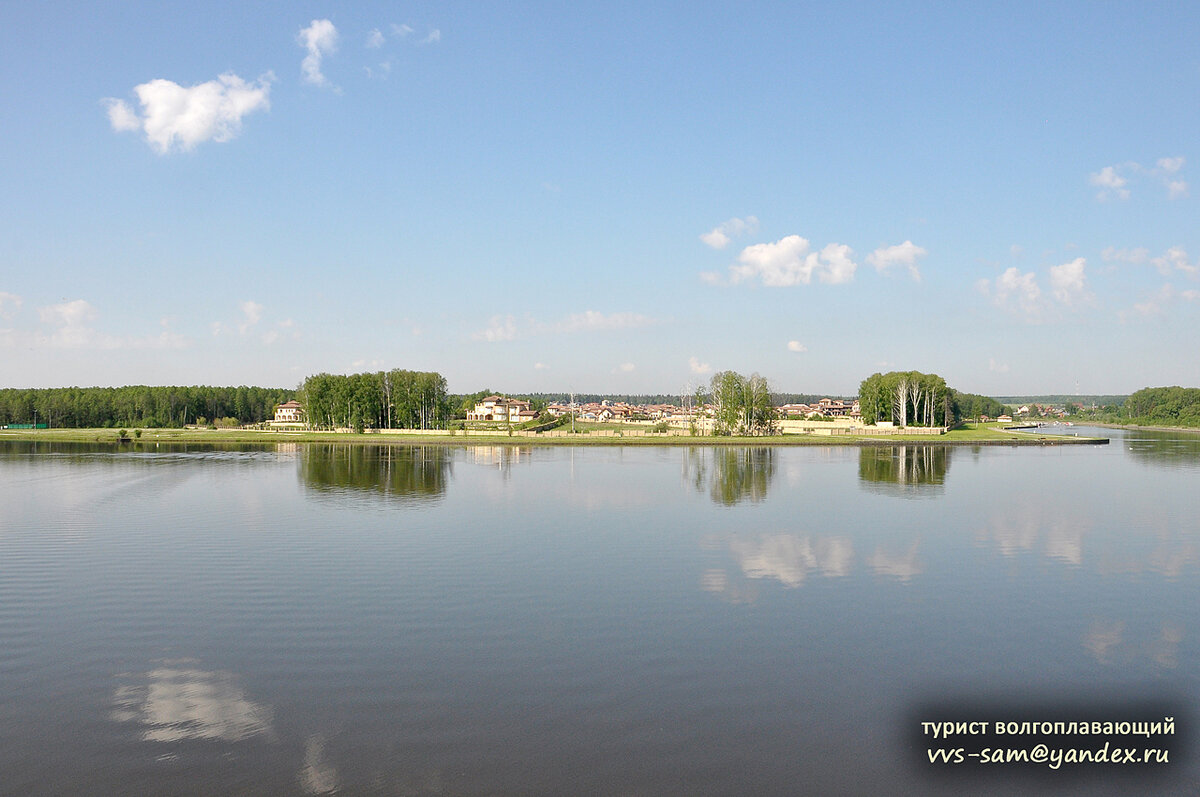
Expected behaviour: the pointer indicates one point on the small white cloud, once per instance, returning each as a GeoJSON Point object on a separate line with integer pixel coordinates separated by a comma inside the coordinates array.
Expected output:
{"type": "Point", "coordinates": [434, 37]}
{"type": "Point", "coordinates": [1018, 292]}
{"type": "Point", "coordinates": [720, 236]}
{"type": "Point", "coordinates": [795, 345]}
{"type": "Point", "coordinates": [501, 328]}
{"type": "Point", "coordinates": [1110, 183]}
{"type": "Point", "coordinates": [1190, 295]}
{"type": "Point", "coordinates": [593, 320]}
{"type": "Point", "coordinates": [1174, 259]}
{"type": "Point", "coordinates": [626, 367]}
{"type": "Point", "coordinates": [1136, 256]}
{"type": "Point", "coordinates": [1157, 303]}
{"type": "Point", "coordinates": [1016, 251]}
{"type": "Point", "coordinates": [251, 315]}
{"type": "Point", "coordinates": [401, 30]}
{"type": "Point", "coordinates": [997, 367]}
{"type": "Point", "coordinates": [176, 117]}
{"type": "Point", "coordinates": [904, 254]}
{"type": "Point", "coordinates": [788, 262]}
{"type": "Point", "coordinates": [319, 39]}
{"type": "Point", "coordinates": [374, 39]}
{"type": "Point", "coordinates": [541, 367]}
{"type": "Point", "coordinates": [1170, 165]}
{"type": "Point", "coordinates": [698, 368]}
{"type": "Point", "coordinates": [9, 304]}
{"type": "Point", "coordinates": [1068, 282]}
{"type": "Point", "coordinates": [710, 278]}
{"type": "Point", "coordinates": [68, 314]}
{"type": "Point", "coordinates": [1113, 182]}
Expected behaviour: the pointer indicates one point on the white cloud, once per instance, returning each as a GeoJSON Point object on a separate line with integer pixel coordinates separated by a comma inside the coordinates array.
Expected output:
{"type": "Point", "coordinates": [1068, 282]}
{"type": "Point", "coordinates": [997, 367]}
{"type": "Point", "coordinates": [319, 39]}
{"type": "Point", "coordinates": [505, 327]}
{"type": "Point", "coordinates": [72, 331]}
{"type": "Point", "coordinates": [176, 117]}
{"type": "Point", "coordinates": [1190, 295]}
{"type": "Point", "coordinates": [500, 328]}
{"type": "Point", "coordinates": [1175, 259]}
{"type": "Point", "coordinates": [710, 277]}
{"type": "Point", "coordinates": [795, 345]}
{"type": "Point", "coordinates": [9, 303]}
{"type": "Point", "coordinates": [251, 315]}
{"type": "Point", "coordinates": [1170, 165]}
{"type": "Point", "coordinates": [1136, 256]}
{"type": "Point", "coordinates": [720, 236]}
{"type": "Point", "coordinates": [904, 254]}
{"type": "Point", "coordinates": [541, 367]}
{"type": "Point", "coordinates": [401, 30]}
{"type": "Point", "coordinates": [1017, 292]}
{"type": "Point", "coordinates": [1110, 183]}
{"type": "Point", "coordinates": [434, 37]}
{"type": "Point", "coordinates": [1157, 303]}
{"type": "Point", "coordinates": [68, 314]}
{"type": "Point", "coordinates": [626, 367]}
{"type": "Point", "coordinates": [698, 368]}
{"type": "Point", "coordinates": [592, 320]}
{"type": "Point", "coordinates": [788, 261]}
{"type": "Point", "coordinates": [375, 39]}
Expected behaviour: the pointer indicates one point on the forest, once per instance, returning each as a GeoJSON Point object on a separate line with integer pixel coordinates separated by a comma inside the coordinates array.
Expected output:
{"type": "Point", "coordinates": [139, 405]}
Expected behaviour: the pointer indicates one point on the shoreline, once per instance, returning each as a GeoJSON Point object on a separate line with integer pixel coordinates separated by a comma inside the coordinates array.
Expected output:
{"type": "Point", "coordinates": [1135, 426]}
{"type": "Point", "coordinates": [961, 437]}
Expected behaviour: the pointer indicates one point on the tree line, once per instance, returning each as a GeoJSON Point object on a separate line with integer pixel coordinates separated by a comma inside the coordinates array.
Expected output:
{"type": "Point", "coordinates": [395, 399]}
{"type": "Point", "coordinates": [139, 405]}
{"type": "Point", "coordinates": [1167, 406]}
{"type": "Point", "coordinates": [912, 398]}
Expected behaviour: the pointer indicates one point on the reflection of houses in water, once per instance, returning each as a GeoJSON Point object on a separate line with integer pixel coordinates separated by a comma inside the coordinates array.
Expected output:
{"type": "Point", "coordinates": [730, 474]}
{"type": "Point", "coordinates": [399, 473]}
{"type": "Point", "coordinates": [287, 451]}
{"type": "Point", "coordinates": [177, 701]}
{"type": "Point", "coordinates": [501, 456]}
{"type": "Point", "coordinates": [906, 471]}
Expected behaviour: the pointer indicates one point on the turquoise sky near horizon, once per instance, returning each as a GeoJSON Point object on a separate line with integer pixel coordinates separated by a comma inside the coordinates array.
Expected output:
{"type": "Point", "coordinates": [620, 198]}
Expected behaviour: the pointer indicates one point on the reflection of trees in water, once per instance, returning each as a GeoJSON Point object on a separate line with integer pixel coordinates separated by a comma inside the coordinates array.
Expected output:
{"type": "Point", "coordinates": [1164, 449]}
{"type": "Point", "coordinates": [403, 473]}
{"type": "Point", "coordinates": [731, 473]}
{"type": "Point", "coordinates": [903, 470]}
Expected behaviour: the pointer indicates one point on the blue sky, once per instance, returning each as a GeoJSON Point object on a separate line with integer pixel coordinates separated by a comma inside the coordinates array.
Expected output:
{"type": "Point", "coordinates": [618, 198]}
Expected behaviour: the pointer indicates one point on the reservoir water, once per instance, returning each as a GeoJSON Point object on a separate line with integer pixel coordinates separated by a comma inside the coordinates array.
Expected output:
{"type": "Point", "coordinates": [363, 619]}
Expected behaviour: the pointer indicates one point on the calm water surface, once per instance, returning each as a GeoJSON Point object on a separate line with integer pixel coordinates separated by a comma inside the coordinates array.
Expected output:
{"type": "Point", "coordinates": [429, 620]}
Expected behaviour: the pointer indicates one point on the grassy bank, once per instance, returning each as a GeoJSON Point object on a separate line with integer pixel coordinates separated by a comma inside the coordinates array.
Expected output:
{"type": "Point", "coordinates": [967, 435]}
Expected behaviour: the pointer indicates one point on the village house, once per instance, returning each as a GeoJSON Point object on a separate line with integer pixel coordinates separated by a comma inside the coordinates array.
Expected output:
{"type": "Point", "coordinates": [499, 408]}
{"type": "Point", "coordinates": [289, 412]}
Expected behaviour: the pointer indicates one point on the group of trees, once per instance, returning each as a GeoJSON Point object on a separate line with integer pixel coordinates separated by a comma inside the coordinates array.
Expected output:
{"type": "Point", "coordinates": [972, 405]}
{"type": "Point", "coordinates": [138, 405]}
{"type": "Point", "coordinates": [394, 399]}
{"type": "Point", "coordinates": [743, 404]}
{"type": "Point", "coordinates": [907, 398]}
{"type": "Point", "coordinates": [1168, 406]}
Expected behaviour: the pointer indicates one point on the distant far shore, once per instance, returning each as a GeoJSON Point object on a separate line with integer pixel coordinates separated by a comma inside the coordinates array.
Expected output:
{"type": "Point", "coordinates": [140, 438]}
{"type": "Point", "coordinates": [1191, 429]}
